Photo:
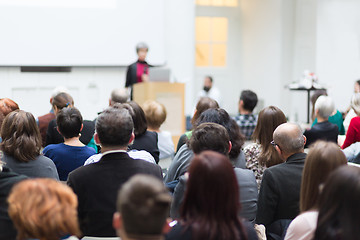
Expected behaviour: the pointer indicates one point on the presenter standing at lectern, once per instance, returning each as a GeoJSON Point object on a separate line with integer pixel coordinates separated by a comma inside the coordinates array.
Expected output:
{"type": "Point", "coordinates": [138, 71]}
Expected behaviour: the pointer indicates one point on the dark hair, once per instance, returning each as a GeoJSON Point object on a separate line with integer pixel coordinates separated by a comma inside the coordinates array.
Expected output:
{"type": "Point", "coordinates": [20, 136]}
{"type": "Point", "coordinates": [114, 127]}
{"type": "Point", "coordinates": [209, 77]}
{"type": "Point", "coordinates": [338, 206]}
{"type": "Point", "coordinates": [323, 158]}
{"type": "Point", "coordinates": [268, 120]}
{"type": "Point", "coordinates": [202, 105]}
{"type": "Point", "coordinates": [138, 116]}
{"type": "Point", "coordinates": [144, 204]}
{"type": "Point", "coordinates": [249, 99]}
{"type": "Point", "coordinates": [62, 100]}
{"type": "Point", "coordinates": [69, 121]}
{"type": "Point", "coordinates": [6, 106]}
{"type": "Point", "coordinates": [209, 136]}
{"type": "Point", "coordinates": [220, 116]}
{"type": "Point", "coordinates": [358, 82]}
{"type": "Point", "coordinates": [211, 201]}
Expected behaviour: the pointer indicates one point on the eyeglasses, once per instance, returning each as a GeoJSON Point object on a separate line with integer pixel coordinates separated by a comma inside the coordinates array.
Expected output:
{"type": "Point", "coordinates": [273, 143]}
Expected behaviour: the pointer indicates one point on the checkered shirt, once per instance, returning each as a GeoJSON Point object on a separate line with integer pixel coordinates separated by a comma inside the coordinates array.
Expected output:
{"type": "Point", "coordinates": [247, 124]}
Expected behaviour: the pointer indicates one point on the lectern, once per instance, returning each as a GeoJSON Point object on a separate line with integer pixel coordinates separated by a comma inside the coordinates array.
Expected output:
{"type": "Point", "coordinates": [173, 98]}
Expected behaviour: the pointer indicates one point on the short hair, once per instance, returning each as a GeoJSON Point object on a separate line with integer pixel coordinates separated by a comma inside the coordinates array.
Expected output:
{"type": "Point", "coordinates": [325, 106]}
{"type": "Point", "coordinates": [155, 113]}
{"type": "Point", "coordinates": [144, 204]}
{"type": "Point", "coordinates": [43, 208]}
{"type": "Point", "coordinates": [114, 127]}
{"type": "Point", "coordinates": [290, 138]}
{"type": "Point", "coordinates": [323, 158]}
{"type": "Point", "coordinates": [20, 135]}
{"type": "Point", "coordinates": [141, 45]}
{"type": "Point", "coordinates": [7, 106]}
{"type": "Point", "coordinates": [202, 105]}
{"type": "Point", "coordinates": [119, 95]}
{"type": "Point", "coordinates": [249, 99]}
{"type": "Point", "coordinates": [355, 102]}
{"type": "Point", "coordinates": [210, 136]}
{"type": "Point", "coordinates": [210, 78]}
{"type": "Point", "coordinates": [62, 100]}
{"type": "Point", "coordinates": [69, 121]}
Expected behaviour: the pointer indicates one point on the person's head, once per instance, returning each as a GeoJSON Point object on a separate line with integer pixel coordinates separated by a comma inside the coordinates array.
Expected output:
{"type": "Point", "coordinates": [142, 50]}
{"type": "Point", "coordinates": [355, 103]}
{"type": "Point", "coordinates": [288, 139]}
{"type": "Point", "coordinates": [313, 99]}
{"type": "Point", "coordinates": [69, 122]}
{"type": "Point", "coordinates": [268, 120]}
{"type": "Point", "coordinates": [62, 100]}
{"type": "Point", "coordinates": [155, 113]}
{"type": "Point", "coordinates": [202, 105]}
{"type": "Point", "coordinates": [323, 158]}
{"type": "Point", "coordinates": [114, 128]}
{"type": "Point", "coordinates": [208, 82]}
{"type": "Point", "coordinates": [56, 91]}
{"type": "Point", "coordinates": [118, 95]}
{"type": "Point", "coordinates": [248, 101]}
{"type": "Point", "coordinates": [142, 206]}
{"type": "Point", "coordinates": [211, 197]}
{"type": "Point", "coordinates": [6, 106]}
{"type": "Point", "coordinates": [324, 107]}
{"type": "Point", "coordinates": [220, 116]}
{"type": "Point", "coordinates": [338, 206]}
{"type": "Point", "coordinates": [138, 117]}
{"type": "Point", "coordinates": [357, 86]}
{"type": "Point", "coordinates": [210, 136]}
{"type": "Point", "coordinates": [20, 136]}
{"type": "Point", "coordinates": [43, 208]}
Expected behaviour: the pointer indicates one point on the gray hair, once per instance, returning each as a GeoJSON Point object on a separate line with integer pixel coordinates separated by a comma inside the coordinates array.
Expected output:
{"type": "Point", "coordinates": [119, 95]}
{"type": "Point", "coordinates": [289, 137]}
{"type": "Point", "coordinates": [355, 102]}
{"type": "Point", "coordinates": [141, 45]}
{"type": "Point", "coordinates": [325, 106]}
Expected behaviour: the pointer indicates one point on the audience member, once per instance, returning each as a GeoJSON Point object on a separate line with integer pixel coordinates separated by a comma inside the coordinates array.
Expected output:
{"type": "Point", "coordinates": [211, 204]}
{"type": "Point", "coordinates": [353, 133]}
{"type": "Point", "coordinates": [203, 104]}
{"type": "Point", "coordinates": [279, 194]}
{"type": "Point", "coordinates": [96, 184]}
{"type": "Point", "coordinates": [118, 95]}
{"type": "Point", "coordinates": [261, 154]}
{"type": "Point", "coordinates": [64, 100]}
{"type": "Point", "coordinates": [72, 153]}
{"type": "Point", "coordinates": [323, 158]}
{"type": "Point", "coordinates": [6, 106]}
{"type": "Point", "coordinates": [323, 129]}
{"type": "Point", "coordinates": [352, 153]}
{"type": "Point", "coordinates": [209, 90]}
{"type": "Point", "coordinates": [338, 206]}
{"type": "Point", "coordinates": [246, 119]}
{"type": "Point", "coordinates": [155, 113]}
{"type": "Point", "coordinates": [43, 121]}
{"type": "Point", "coordinates": [142, 209]}
{"type": "Point", "coordinates": [350, 113]}
{"type": "Point", "coordinates": [44, 209]}
{"type": "Point", "coordinates": [21, 145]}
{"type": "Point", "coordinates": [214, 137]}
{"type": "Point", "coordinates": [7, 180]}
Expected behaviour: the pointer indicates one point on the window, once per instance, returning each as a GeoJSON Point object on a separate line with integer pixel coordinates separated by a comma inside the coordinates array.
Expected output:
{"type": "Point", "coordinates": [211, 41]}
{"type": "Point", "coordinates": [217, 3]}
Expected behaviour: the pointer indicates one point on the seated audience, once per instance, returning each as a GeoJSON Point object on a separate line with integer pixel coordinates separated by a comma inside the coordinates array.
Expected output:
{"type": "Point", "coordinates": [323, 129]}
{"type": "Point", "coordinates": [323, 158]}
{"type": "Point", "coordinates": [155, 113]}
{"type": "Point", "coordinates": [214, 137]}
{"type": "Point", "coordinates": [246, 119]}
{"type": "Point", "coordinates": [44, 209]}
{"type": "Point", "coordinates": [203, 104]}
{"type": "Point", "coordinates": [211, 203]}
{"type": "Point", "coordinates": [64, 100]}
{"type": "Point", "coordinates": [145, 218]}
{"type": "Point", "coordinates": [21, 145]}
{"type": "Point", "coordinates": [279, 194]}
{"type": "Point", "coordinates": [118, 95]}
{"type": "Point", "coordinates": [72, 153]}
{"type": "Point", "coordinates": [7, 180]}
{"type": "Point", "coordinates": [96, 184]}
{"type": "Point", "coordinates": [338, 206]}
{"type": "Point", "coordinates": [6, 106]}
{"type": "Point", "coordinates": [261, 154]}
{"type": "Point", "coordinates": [353, 133]}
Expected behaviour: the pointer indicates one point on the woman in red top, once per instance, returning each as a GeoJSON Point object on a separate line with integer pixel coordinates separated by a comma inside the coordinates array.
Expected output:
{"type": "Point", "coordinates": [353, 133]}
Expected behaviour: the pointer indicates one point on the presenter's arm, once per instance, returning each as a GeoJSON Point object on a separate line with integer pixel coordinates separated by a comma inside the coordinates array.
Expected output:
{"type": "Point", "coordinates": [128, 77]}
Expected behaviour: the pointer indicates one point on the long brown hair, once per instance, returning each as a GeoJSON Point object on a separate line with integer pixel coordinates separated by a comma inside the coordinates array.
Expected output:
{"type": "Point", "coordinates": [268, 120]}
{"type": "Point", "coordinates": [323, 158]}
{"type": "Point", "coordinates": [211, 203]}
{"type": "Point", "coordinates": [20, 136]}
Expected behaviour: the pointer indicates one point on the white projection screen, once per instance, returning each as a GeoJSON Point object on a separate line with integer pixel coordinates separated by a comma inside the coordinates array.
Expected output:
{"type": "Point", "coordinates": [80, 32]}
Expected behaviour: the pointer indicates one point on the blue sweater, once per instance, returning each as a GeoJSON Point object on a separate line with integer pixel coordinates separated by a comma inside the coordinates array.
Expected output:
{"type": "Point", "coordinates": [67, 158]}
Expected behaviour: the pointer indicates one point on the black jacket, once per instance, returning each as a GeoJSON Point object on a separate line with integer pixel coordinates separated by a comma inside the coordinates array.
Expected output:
{"type": "Point", "coordinates": [325, 131]}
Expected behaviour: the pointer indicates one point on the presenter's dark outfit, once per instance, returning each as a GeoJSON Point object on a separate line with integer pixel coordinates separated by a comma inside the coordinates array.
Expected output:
{"type": "Point", "coordinates": [134, 73]}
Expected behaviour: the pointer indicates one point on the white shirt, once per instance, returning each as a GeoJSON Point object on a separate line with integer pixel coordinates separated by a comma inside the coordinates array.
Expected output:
{"type": "Point", "coordinates": [165, 145]}
{"type": "Point", "coordinates": [303, 226]}
{"type": "Point", "coordinates": [135, 154]}
{"type": "Point", "coordinates": [213, 93]}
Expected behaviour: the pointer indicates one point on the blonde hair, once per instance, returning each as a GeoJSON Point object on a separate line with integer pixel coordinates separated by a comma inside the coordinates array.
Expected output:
{"type": "Point", "coordinates": [43, 208]}
{"type": "Point", "coordinates": [355, 103]}
{"type": "Point", "coordinates": [155, 113]}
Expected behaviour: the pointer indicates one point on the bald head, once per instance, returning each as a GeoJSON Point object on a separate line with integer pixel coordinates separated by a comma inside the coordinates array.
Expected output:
{"type": "Point", "coordinates": [119, 95]}
{"type": "Point", "coordinates": [289, 138]}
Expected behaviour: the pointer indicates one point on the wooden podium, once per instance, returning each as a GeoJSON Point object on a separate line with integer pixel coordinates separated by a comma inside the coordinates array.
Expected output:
{"type": "Point", "coordinates": [172, 95]}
